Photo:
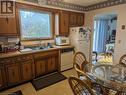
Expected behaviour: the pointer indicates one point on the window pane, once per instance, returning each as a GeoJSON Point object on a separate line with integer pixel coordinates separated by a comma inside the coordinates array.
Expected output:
{"type": "Point", "coordinates": [35, 24]}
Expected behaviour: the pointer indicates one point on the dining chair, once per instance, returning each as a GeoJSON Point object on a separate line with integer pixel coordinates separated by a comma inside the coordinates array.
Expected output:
{"type": "Point", "coordinates": [82, 67]}
{"type": "Point", "coordinates": [123, 60]}
{"type": "Point", "coordinates": [80, 62]}
{"type": "Point", "coordinates": [80, 87]}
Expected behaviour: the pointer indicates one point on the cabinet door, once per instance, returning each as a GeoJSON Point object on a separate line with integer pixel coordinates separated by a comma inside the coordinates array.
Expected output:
{"type": "Point", "coordinates": [3, 26]}
{"type": "Point", "coordinates": [13, 74]}
{"type": "Point", "coordinates": [27, 70]}
{"type": "Point", "coordinates": [2, 77]}
{"type": "Point", "coordinates": [52, 64]}
{"type": "Point", "coordinates": [80, 19]}
{"type": "Point", "coordinates": [73, 19]}
{"type": "Point", "coordinates": [12, 26]}
{"type": "Point", "coordinates": [8, 27]}
{"type": "Point", "coordinates": [40, 67]}
{"type": "Point", "coordinates": [64, 24]}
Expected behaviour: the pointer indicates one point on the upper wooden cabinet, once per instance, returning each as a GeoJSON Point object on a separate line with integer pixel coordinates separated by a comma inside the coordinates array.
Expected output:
{"type": "Point", "coordinates": [80, 19]}
{"type": "Point", "coordinates": [8, 26]}
{"type": "Point", "coordinates": [64, 23]}
{"type": "Point", "coordinates": [73, 19]}
{"type": "Point", "coordinates": [76, 19]}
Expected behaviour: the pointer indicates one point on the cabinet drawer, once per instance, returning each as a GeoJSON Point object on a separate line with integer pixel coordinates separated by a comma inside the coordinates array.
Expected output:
{"type": "Point", "coordinates": [4, 61]}
{"type": "Point", "coordinates": [23, 58]}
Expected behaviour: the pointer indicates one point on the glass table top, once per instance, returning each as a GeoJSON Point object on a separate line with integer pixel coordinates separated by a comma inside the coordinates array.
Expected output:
{"type": "Point", "coordinates": [110, 76]}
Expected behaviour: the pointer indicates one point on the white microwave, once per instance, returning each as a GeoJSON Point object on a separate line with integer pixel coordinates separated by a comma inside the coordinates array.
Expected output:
{"type": "Point", "coordinates": [62, 41]}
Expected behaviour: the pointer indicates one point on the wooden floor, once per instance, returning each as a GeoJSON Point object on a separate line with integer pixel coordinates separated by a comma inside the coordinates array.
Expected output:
{"type": "Point", "coordinates": [60, 88]}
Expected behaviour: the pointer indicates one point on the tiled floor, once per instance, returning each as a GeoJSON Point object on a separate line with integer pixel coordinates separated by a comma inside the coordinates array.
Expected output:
{"type": "Point", "coordinates": [60, 88]}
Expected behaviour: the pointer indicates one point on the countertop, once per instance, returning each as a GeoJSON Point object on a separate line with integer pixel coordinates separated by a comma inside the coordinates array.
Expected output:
{"type": "Point", "coordinates": [12, 54]}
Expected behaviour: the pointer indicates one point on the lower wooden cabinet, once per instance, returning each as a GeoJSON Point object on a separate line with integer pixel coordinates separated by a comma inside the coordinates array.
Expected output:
{"type": "Point", "coordinates": [17, 70]}
{"type": "Point", "coordinates": [64, 23]}
{"type": "Point", "coordinates": [2, 77]}
{"type": "Point", "coordinates": [46, 62]}
{"type": "Point", "coordinates": [13, 74]}
{"type": "Point", "coordinates": [27, 70]}
{"type": "Point", "coordinates": [23, 68]}
{"type": "Point", "coordinates": [40, 67]}
{"type": "Point", "coordinates": [52, 64]}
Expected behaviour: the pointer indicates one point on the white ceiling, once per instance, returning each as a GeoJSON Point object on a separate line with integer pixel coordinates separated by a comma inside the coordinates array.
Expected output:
{"type": "Point", "coordinates": [84, 2]}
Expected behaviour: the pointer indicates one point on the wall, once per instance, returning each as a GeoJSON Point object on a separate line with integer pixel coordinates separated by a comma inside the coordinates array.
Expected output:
{"type": "Point", "coordinates": [120, 44]}
{"type": "Point", "coordinates": [14, 40]}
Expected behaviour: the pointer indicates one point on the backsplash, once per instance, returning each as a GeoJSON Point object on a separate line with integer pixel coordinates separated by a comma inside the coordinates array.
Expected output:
{"type": "Point", "coordinates": [8, 41]}
{"type": "Point", "coordinates": [37, 43]}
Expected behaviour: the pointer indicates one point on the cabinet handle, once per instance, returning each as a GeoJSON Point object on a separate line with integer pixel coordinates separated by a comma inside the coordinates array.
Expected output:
{"type": "Point", "coordinates": [13, 73]}
{"type": "Point", "coordinates": [7, 20]}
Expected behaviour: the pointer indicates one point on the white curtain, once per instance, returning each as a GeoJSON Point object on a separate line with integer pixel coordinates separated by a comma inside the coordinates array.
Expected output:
{"type": "Point", "coordinates": [100, 35]}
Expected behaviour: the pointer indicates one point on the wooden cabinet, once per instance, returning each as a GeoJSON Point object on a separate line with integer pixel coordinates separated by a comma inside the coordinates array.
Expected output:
{"type": "Point", "coordinates": [73, 19]}
{"type": "Point", "coordinates": [80, 19]}
{"type": "Point", "coordinates": [76, 19]}
{"type": "Point", "coordinates": [46, 62]}
{"type": "Point", "coordinates": [64, 23]}
{"type": "Point", "coordinates": [8, 27]}
{"type": "Point", "coordinates": [27, 70]}
{"type": "Point", "coordinates": [40, 67]}
{"type": "Point", "coordinates": [13, 74]}
{"type": "Point", "coordinates": [2, 77]}
{"type": "Point", "coordinates": [22, 68]}
{"type": "Point", "coordinates": [26, 65]}
{"type": "Point", "coordinates": [17, 70]}
{"type": "Point", "coordinates": [3, 26]}
{"type": "Point", "coordinates": [52, 63]}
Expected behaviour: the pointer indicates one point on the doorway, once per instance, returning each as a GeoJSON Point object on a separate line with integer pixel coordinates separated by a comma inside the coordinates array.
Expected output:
{"type": "Point", "coordinates": [104, 35]}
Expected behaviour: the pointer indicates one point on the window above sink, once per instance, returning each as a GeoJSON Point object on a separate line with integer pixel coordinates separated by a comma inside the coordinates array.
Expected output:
{"type": "Point", "coordinates": [35, 24]}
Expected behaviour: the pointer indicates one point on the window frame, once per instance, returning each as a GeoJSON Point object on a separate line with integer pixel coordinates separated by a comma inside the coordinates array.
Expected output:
{"type": "Point", "coordinates": [36, 9]}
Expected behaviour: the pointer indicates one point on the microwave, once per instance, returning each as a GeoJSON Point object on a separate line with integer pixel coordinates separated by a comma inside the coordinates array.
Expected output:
{"type": "Point", "coordinates": [62, 41]}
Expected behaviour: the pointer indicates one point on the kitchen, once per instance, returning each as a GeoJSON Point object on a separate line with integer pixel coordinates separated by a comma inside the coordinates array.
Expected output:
{"type": "Point", "coordinates": [27, 53]}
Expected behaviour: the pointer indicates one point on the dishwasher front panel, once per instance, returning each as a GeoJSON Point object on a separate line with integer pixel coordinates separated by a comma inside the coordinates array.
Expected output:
{"type": "Point", "coordinates": [66, 59]}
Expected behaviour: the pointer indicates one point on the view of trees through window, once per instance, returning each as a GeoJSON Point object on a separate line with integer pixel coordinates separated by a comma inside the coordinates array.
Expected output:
{"type": "Point", "coordinates": [35, 25]}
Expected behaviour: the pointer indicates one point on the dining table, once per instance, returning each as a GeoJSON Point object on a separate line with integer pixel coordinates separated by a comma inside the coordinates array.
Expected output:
{"type": "Point", "coordinates": [108, 76]}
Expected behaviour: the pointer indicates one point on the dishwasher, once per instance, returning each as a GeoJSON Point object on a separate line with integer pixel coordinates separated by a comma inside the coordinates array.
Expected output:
{"type": "Point", "coordinates": [67, 58]}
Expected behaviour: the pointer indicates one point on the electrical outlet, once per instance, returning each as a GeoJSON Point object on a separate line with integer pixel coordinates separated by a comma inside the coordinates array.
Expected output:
{"type": "Point", "coordinates": [123, 27]}
{"type": "Point", "coordinates": [119, 41]}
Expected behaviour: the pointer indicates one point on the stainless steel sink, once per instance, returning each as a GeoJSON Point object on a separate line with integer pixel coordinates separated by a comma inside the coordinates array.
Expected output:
{"type": "Point", "coordinates": [30, 49]}
{"type": "Point", "coordinates": [41, 48]}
